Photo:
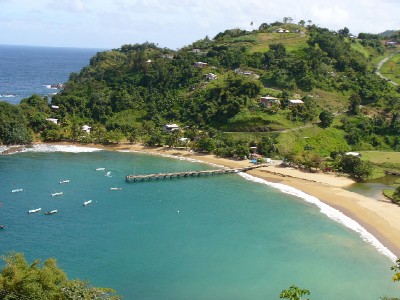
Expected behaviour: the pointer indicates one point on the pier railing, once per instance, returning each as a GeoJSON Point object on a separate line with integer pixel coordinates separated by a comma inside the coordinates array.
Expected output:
{"type": "Point", "coordinates": [136, 178]}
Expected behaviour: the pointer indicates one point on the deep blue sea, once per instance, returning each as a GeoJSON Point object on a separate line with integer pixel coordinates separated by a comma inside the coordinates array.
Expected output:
{"type": "Point", "coordinates": [27, 70]}
{"type": "Point", "coordinates": [220, 237]}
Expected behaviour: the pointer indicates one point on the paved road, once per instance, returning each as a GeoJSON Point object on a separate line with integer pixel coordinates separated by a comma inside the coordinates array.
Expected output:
{"type": "Point", "coordinates": [378, 67]}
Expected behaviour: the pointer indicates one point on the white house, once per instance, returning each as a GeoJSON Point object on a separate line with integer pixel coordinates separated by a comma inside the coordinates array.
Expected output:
{"type": "Point", "coordinates": [200, 64]}
{"type": "Point", "coordinates": [268, 100]}
{"type": "Point", "coordinates": [86, 128]}
{"type": "Point", "coordinates": [55, 107]}
{"type": "Point", "coordinates": [55, 121]}
{"type": "Point", "coordinates": [210, 76]}
{"type": "Point", "coordinates": [170, 127]}
{"type": "Point", "coordinates": [295, 102]}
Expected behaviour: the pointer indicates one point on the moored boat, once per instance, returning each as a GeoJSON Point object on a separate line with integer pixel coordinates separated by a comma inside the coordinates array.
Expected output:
{"type": "Point", "coordinates": [51, 212]}
{"type": "Point", "coordinates": [100, 169]}
{"type": "Point", "coordinates": [34, 210]}
{"type": "Point", "coordinates": [115, 188]}
{"type": "Point", "coordinates": [87, 202]}
{"type": "Point", "coordinates": [57, 194]}
{"type": "Point", "coordinates": [2, 226]}
{"type": "Point", "coordinates": [16, 190]}
{"type": "Point", "coordinates": [64, 181]}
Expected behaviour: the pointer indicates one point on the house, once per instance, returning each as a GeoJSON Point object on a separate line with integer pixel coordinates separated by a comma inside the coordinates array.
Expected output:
{"type": "Point", "coordinates": [210, 76]}
{"type": "Point", "coordinates": [269, 101]}
{"type": "Point", "coordinates": [170, 127]}
{"type": "Point", "coordinates": [55, 107]}
{"type": "Point", "coordinates": [390, 43]}
{"type": "Point", "coordinates": [55, 121]}
{"type": "Point", "coordinates": [243, 72]}
{"type": "Point", "coordinates": [200, 64]}
{"type": "Point", "coordinates": [86, 128]}
{"type": "Point", "coordinates": [295, 102]}
{"type": "Point", "coordinates": [357, 154]}
{"type": "Point", "coordinates": [167, 56]}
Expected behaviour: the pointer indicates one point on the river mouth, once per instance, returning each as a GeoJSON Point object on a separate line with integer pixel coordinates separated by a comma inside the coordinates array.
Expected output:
{"type": "Point", "coordinates": [374, 188]}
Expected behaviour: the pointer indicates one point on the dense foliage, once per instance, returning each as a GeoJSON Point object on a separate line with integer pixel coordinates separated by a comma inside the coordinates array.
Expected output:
{"type": "Point", "coordinates": [129, 93]}
{"type": "Point", "coordinates": [21, 280]}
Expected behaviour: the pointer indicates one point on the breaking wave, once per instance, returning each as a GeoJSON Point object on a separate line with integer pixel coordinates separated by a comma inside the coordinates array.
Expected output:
{"type": "Point", "coordinates": [330, 212]}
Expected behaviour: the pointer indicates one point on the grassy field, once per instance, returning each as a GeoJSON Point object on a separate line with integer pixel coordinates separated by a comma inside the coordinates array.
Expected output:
{"type": "Point", "coordinates": [291, 41]}
{"type": "Point", "coordinates": [391, 69]}
{"type": "Point", "coordinates": [381, 157]}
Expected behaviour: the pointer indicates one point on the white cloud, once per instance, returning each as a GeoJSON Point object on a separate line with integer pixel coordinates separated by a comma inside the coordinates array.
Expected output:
{"type": "Point", "coordinates": [175, 23]}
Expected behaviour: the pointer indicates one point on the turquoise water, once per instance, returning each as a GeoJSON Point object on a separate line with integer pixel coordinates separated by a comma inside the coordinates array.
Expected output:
{"type": "Point", "coordinates": [220, 237]}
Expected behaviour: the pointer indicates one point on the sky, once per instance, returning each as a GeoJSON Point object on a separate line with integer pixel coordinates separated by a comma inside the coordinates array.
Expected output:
{"type": "Point", "coordinates": [109, 24]}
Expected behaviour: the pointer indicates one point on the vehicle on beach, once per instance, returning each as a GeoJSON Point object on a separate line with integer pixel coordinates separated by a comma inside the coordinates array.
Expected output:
{"type": "Point", "coordinates": [87, 202]}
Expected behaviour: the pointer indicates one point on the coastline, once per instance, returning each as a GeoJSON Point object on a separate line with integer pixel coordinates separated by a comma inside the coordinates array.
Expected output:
{"type": "Point", "coordinates": [379, 218]}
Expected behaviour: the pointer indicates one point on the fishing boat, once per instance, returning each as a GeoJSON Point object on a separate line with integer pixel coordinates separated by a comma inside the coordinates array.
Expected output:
{"type": "Point", "coordinates": [108, 174]}
{"type": "Point", "coordinates": [34, 210]}
{"type": "Point", "coordinates": [115, 188]}
{"type": "Point", "coordinates": [57, 194]}
{"type": "Point", "coordinates": [51, 212]}
{"type": "Point", "coordinates": [2, 226]}
{"type": "Point", "coordinates": [87, 202]}
{"type": "Point", "coordinates": [64, 181]}
{"type": "Point", "coordinates": [16, 190]}
{"type": "Point", "coordinates": [100, 169]}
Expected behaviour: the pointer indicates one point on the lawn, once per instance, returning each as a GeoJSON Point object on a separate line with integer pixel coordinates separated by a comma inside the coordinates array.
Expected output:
{"type": "Point", "coordinates": [391, 68]}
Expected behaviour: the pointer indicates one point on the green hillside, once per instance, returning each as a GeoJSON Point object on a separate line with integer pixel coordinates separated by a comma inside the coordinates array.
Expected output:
{"type": "Point", "coordinates": [214, 86]}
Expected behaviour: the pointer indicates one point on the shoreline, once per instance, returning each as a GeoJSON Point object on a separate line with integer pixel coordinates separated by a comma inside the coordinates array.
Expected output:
{"type": "Point", "coordinates": [379, 218]}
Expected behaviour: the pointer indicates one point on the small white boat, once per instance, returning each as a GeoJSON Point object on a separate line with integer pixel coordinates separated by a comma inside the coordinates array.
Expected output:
{"type": "Point", "coordinates": [115, 188]}
{"type": "Point", "coordinates": [87, 202]}
{"type": "Point", "coordinates": [57, 194]}
{"type": "Point", "coordinates": [108, 174]}
{"type": "Point", "coordinates": [34, 210]}
{"type": "Point", "coordinates": [64, 181]}
{"type": "Point", "coordinates": [51, 212]}
{"type": "Point", "coordinates": [16, 190]}
{"type": "Point", "coordinates": [100, 169]}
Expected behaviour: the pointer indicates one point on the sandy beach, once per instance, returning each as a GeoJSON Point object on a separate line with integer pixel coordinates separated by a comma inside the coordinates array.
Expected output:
{"type": "Point", "coordinates": [379, 218]}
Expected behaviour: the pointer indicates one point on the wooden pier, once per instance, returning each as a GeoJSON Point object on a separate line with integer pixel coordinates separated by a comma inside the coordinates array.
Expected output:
{"type": "Point", "coordinates": [149, 177]}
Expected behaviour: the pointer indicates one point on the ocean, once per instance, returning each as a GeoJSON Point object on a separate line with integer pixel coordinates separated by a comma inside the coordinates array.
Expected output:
{"type": "Point", "coordinates": [27, 70]}
{"type": "Point", "coordinates": [219, 237]}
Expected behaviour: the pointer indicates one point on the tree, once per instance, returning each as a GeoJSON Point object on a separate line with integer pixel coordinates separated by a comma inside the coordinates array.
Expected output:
{"type": "Point", "coordinates": [326, 118]}
{"type": "Point", "coordinates": [20, 280]}
{"type": "Point", "coordinates": [302, 23]}
{"type": "Point", "coordinates": [355, 167]}
{"type": "Point", "coordinates": [354, 104]}
{"type": "Point", "coordinates": [294, 293]}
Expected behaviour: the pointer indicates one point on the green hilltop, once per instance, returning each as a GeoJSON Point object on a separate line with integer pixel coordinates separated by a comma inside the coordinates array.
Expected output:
{"type": "Point", "coordinates": [213, 89]}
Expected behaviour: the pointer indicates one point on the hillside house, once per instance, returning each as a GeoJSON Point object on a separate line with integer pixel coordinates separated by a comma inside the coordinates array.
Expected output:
{"type": "Point", "coordinates": [210, 76]}
{"type": "Point", "coordinates": [86, 128]}
{"type": "Point", "coordinates": [170, 127]}
{"type": "Point", "coordinates": [55, 121]}
{"type": "Point", "coordinates": [295, 102]}
{"type": "Point", "coordinates": [200, 64]}
{"type": "Point", "coordinates": [269, 101]}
